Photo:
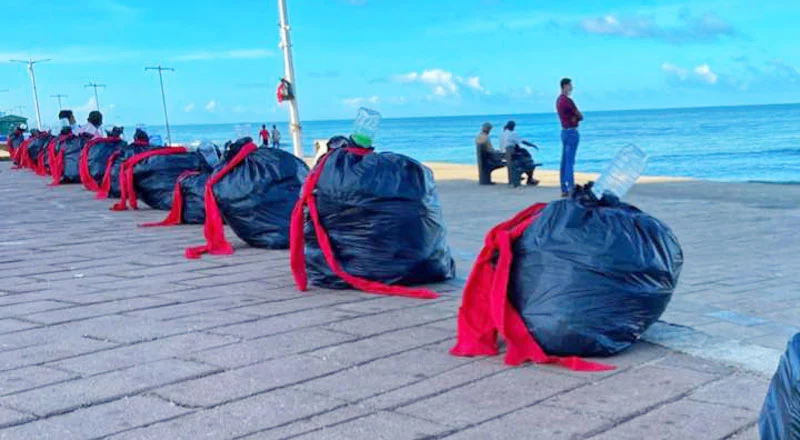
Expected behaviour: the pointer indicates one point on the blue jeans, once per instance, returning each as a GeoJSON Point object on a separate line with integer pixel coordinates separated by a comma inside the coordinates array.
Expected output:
{"type": "Point", "coordinates": [569, 140]}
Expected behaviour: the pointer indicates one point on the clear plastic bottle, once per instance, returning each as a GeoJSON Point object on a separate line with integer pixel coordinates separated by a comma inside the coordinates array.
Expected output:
{"type": "Point", "coordinates": [366, 127]}
{"type": "Point", "coordinates": [623, 171]}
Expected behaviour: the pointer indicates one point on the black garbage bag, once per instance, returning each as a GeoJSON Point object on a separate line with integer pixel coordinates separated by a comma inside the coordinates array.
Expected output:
{"type": "Point", "coordinates": [94, 160]}
{"type": "Point", "coordinates": [589, 277]}
{"type": "Point", "coordinates": [151, 176]}
{"type": "Point", "coordinates": [66, 159]}
{"type": "Point", "coordinates": [36, 149]}
{"type": "Point", "coordinates": [111, 178]}
{"type": "Point", "coordinates": [780, 414]}
{"type": "Point", "coordinates": [15, 140]}
{"type": "Point", "coordinates": [188, 200]}
{"type": "Point", "coordinates": [254, 191]}
{"type": "Point", "coordinates": [382, 216]}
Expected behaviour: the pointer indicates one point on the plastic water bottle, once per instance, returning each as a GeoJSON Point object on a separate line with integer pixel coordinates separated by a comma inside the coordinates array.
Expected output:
{"type": "Point", "coordinates": [628, 164]}
{"type": "Point", "coordinates": [366, 127]}
{"type": "Point", "coordinates": [156, 140]}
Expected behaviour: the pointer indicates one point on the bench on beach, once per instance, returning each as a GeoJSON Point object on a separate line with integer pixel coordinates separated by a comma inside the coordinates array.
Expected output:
{"type": "Point", "coordinates": [486, 164]}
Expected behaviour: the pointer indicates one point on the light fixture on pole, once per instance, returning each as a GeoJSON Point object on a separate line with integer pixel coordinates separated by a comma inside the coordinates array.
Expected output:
{"type": "Point", "coordinates": [286, 45]}
{"type": "Point", "coordinates": [95, 86]}
{"type": "Point", "coordinates": [163, 97]}
{"type": "Point", "coordinates": [30, 64]}
{"type": "Point", "coordinates": [59, 96]}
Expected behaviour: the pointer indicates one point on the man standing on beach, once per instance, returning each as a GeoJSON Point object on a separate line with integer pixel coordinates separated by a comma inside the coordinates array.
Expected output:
{"type": "Point", "coordinates": [264, 134]}
{"type": "Point", "coordinates": [570, 117]}
{"type": "Point", "coordinates": [276, 137]}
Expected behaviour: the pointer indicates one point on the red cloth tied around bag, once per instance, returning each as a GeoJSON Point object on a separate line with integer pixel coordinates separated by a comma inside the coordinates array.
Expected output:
{"type": "Point", "coordinates": [83, 165]}
{"type": "Point", "coordinates": [213, 229]}
{"type": "Point", "coordinates": [105, 187]}
{"type": "Point", "coordinates": [297, 243]}
{"type": "Point", "coordinates": [41, 167]}
{"type": "Point", "coordinates": [126, 187]}
{"type": "Point", "coordinates": [176, 213]}
{"type": "Point", "coordinates": [486, 312]}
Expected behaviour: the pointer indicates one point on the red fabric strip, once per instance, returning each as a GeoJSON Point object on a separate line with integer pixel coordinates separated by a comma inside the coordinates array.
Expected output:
{"type": "Point", "coordinates": [486, 311]}
{"type": "Point", "coordinates": [41, 168]}
{"type": "Point", "coordinates": [127, 190]}
{"type": "Point", "coordinates": [105, 187]}
{"type": "Point", "coordinates": [83, 166]}
{"type": "Point", "coordinates": [297, 259]}
{"type": "Point", "coordinates": [21, 153]}
{"type": "Point", "coordinates": [175, 216]}
{"type": "Point", "coordinates": [213, 229]}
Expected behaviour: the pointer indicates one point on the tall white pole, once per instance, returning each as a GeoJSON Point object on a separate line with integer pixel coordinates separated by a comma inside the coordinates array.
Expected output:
{"type": "Point", "coordinates": [35, 96]}
{"type": "Point", "coordinates": [286, 45]}
{"type": "Point", "coordinates": [163, 97]}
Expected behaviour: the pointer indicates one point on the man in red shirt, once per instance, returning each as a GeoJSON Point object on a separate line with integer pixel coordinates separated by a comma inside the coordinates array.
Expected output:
{"type": "Point", "coordinates": [264, 135]}
{"type": "Point", "coordinates": [570, 117]}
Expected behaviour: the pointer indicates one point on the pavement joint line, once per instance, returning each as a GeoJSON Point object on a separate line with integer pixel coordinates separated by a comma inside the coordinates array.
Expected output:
{"type": "Point", "coordinates": [741, 430]}
{"type": "Point", "coordinates": [86, 318]}
{"type": "Point", "coordinates": [621, 421]}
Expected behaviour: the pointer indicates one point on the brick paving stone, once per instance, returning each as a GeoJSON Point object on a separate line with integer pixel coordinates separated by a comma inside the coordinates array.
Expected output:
{"type": "Point", "coordinates": [94, 310]}
{"type": "Point", "coordinates": [262, 349]}
{"type": "Point", "coordinates": [283, 323]}
{"type": "Point", "coordinates": [738, 391]}
{"type": "Point", "coordinates": [381, 426]}
{"type": "Point", "coordinates": [11, 417]}
{"type": "Point", "coordinates": [238, 418]}
{"type": "Point", "coordinates": [490, 397]}
{"type": "Point", "coordinates": [685, 420]}
{"type": "Point", "coordinates": [243, 382]}
{"type": "Point", "coordinates": [74, 394]}
{"type": "Point", "coordinates": [21, 379]}
{"type": "Point", "coordinates": [306, 425]}
{"type": "Point", "coordinates": [97, 421]}
{"type": "Point", "coordinates": [539, 421]}
{"type": "Point", "coordinates": [11, 325]}
{"type": "Point", "coordinates": [384, 322]}
{"type": "Point", "coordinates": [382, 345]}
{"type": "Point", "coordinates": [635, 391]}
{"type": "Point", "coordinates": [55, 350]}
{"type": "Point", "coordinates": [130, 355]}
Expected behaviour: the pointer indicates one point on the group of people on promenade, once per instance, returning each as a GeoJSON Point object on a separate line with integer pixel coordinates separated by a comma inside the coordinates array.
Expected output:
{"type": "Point", "coordinates": [519, 161]}
{"type": "Point", "coordinates": [265, 136]}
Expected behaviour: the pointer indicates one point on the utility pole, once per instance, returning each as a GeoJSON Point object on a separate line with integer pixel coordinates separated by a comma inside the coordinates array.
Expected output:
{"type": "Point", "coordinates": [163, 96]}
{"type": "Point", "coordinates": [59, 96]}
{"type": "Point", "coordinates": [95, 86]}
{"type": "Point", "coordinates": [30, 64]}
{"type": "Point", "coordinates": [286, 45]}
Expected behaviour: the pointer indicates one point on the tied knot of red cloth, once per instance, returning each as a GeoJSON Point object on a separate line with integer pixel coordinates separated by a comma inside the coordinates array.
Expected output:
{"type": "Point", "coordinates": [486, 310]}
{"type": "Point", "coordinates": [126, 186]}
{"type": "Point", "coordinates": [297, 242]}
{"type": "Point", "coordinates": [175, 216]}
{"type": "Point", "coordinates": [213, 229]}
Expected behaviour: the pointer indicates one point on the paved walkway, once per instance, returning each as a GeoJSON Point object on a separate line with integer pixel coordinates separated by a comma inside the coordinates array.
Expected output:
{"type": "Point", "coordinates": [108, 332]}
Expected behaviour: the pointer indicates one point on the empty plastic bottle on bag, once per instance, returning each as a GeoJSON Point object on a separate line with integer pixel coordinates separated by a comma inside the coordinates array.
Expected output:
{"type": "Point", "coordinates": [366, 127]}
{"type": "Point", "coordinates": [623, 171]}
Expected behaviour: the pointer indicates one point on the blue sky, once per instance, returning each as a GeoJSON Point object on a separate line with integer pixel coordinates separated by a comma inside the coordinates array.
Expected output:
{"type": "Point", "coordinates": [410, 58]}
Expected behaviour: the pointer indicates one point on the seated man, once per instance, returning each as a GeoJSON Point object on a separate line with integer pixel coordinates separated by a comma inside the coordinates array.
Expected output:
{"type": "Point", "coordinates": [489, 159]}
{"type": "Point", "coordinates": [520, 161]}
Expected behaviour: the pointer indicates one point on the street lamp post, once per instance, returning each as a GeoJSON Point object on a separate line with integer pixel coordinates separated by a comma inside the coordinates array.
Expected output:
{"type": "Point", "coordinates": [59, 96]}
{"type": "Point", "coordinates": [286, 45]}
{"type": "Point", "coordinates": [30, 64]}
{"type": "Point", "coordinates": [95, 86]}
{"type": "Point", "coordinates": [163, 97]}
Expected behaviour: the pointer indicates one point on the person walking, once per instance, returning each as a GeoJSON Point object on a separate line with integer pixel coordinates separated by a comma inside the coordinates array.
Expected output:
{"type": "Point", "coordinates": [570, 118]}
{"type": "Point", "coordinates": [276, 137]}
{"type": "Point", "coordinates": [264, 134]}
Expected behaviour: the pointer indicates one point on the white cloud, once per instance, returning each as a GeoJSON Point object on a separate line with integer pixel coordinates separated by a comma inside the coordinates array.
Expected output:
{"type": "Point", "coordinates": [189, 108]}
{"type": "Point", "coordinates": [90, 105]}
{"type": "Point", "coordinates": [211, 106]}
{"type": "Point", "coordinates": [441, 82]}
{"type": "Point", "coordinates": [239, 109]}
{"type": "Point", "coordinates": [688, 28]}
{"type": "Point", "coordinates": [701, 74]}
{"type": "Point", "coordinates": [232, 54]}
{"type": "Point", "coordinates": [359, 101]}
{"type": "Point", "coordinates": [705, 74]}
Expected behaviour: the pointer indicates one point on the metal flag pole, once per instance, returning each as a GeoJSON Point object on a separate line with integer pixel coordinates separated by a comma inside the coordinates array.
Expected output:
{"type": "Point", "coordinates": [286, 45]}
{"type": "Point", "coordinates": [95, 86]}
{"type": "Point", "coordinates": [30, 64]}
{"type": "Point", "coordinates": [163, 97]}
{"type": "Point", "coordinates": [59, 96]}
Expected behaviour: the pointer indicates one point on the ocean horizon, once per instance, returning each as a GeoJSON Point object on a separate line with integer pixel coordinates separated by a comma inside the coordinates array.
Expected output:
{"type": "Point", "coordinates": [731, 144]}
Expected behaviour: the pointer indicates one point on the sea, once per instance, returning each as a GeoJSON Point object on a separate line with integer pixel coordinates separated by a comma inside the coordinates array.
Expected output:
{"type": "Point", "coordinates": [728, 144]}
